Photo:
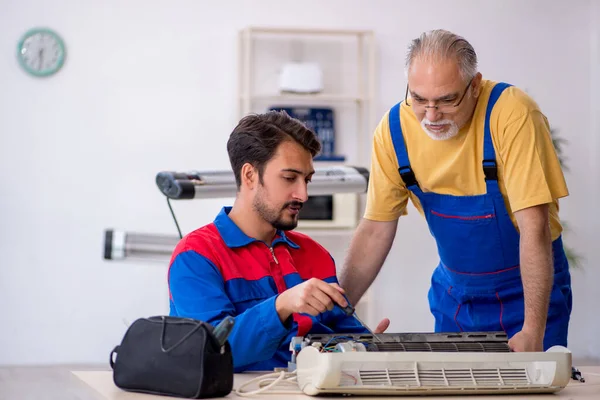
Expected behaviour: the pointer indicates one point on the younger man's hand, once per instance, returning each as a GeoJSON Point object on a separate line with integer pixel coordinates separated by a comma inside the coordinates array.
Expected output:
{"type": "Point", "coordinates": [311, 297]}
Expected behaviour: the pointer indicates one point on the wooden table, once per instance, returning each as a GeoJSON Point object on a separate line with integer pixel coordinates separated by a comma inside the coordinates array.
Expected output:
{"type": "Point", "coordinates": [95, 383]}
{"type": "Point", "coordinates": [102, 382]}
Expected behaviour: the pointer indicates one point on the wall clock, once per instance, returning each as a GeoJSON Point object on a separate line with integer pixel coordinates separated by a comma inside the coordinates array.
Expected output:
{"type": "Point", "coordinates": [41, 52]}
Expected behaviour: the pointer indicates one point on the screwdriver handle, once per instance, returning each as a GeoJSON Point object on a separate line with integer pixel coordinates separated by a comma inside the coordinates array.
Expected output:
{"type": "Point", "coordinates": [223, 329]}
{"type": "Point", "coordinates": [348, 310]}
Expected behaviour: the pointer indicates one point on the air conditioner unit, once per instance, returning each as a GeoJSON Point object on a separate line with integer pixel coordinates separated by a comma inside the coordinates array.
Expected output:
{"type": "Point", "coordinates": [425, 364]}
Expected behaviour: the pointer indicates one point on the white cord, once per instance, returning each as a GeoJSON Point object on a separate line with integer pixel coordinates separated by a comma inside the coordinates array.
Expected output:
{"type": "Point", "coordinates": [269, 381]}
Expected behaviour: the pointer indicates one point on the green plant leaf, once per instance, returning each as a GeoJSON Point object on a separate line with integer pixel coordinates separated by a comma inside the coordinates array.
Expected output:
{"type": "Point", "coordinates": [574, 258]}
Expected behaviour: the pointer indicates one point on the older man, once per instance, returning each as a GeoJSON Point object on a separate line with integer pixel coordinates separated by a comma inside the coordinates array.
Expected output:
{"type": "Point", "coordinates": [476, 158]}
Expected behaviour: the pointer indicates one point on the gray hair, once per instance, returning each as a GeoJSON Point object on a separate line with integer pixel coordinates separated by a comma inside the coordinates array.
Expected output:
{"type": "Point", "coordinates": [442, 44]}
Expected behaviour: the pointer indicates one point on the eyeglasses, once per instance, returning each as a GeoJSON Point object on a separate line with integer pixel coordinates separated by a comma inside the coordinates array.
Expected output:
{"type": "Point", "coordinates": [443, 106]}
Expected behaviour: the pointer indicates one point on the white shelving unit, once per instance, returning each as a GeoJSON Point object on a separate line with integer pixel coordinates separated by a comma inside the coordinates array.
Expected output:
{"type": "Point", "coordinates": [347, 58]}
{"type": "Point", "coordinates": [357, 91]}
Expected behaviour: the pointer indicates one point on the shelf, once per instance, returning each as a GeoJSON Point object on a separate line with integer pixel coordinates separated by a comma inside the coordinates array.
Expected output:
{"type": "Point", "coordinates": [307, 31]}
{"type": "Point", "coordinates": [352, 95]}
{"type": "Point", "coordinates": [337, 158]}
{"type": "Point", "coordinates": [306, 97]}
{"type": "Point", "coordinates": [325, 232]}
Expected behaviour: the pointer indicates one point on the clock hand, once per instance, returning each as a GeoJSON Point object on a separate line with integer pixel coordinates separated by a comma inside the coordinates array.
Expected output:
{"type": "Point", "coordinates": [40, 57]}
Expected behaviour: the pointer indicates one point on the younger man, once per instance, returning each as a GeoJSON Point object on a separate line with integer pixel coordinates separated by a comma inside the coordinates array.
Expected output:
{"type": "Point", "coordinates": [249, 264]}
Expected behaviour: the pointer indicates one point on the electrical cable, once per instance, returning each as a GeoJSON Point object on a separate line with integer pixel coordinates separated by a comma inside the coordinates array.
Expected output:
{"type": "Point", "coordinates": [269, 382]}
{"type": "Point", "coordinates": [174, 218]}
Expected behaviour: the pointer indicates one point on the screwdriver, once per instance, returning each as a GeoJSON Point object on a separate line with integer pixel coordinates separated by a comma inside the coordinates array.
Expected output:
{"type": "Point", "coordinates": [350, 311]}
{"type": "Point", "coordinates": [222, 331]}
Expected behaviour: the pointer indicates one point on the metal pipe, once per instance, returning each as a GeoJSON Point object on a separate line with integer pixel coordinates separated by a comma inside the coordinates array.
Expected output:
{"type": "Point", "coordinates": [119, 245]}
{"type": "Point", "coordinates": [221, 184]}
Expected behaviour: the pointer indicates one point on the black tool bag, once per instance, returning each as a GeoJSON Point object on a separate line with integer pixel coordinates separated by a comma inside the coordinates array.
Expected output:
{"type": "Point", "coordinates": [172, 356]}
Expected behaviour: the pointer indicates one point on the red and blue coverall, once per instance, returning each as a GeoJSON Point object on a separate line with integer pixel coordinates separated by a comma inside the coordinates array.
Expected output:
{"type": "Point", "coordinates": [218, 271]}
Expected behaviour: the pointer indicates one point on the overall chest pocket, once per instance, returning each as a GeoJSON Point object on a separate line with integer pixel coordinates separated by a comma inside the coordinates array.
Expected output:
{"type": "Point", "coordinates": [468, 240]}
{"type": "Point", "coordinates": [245, 294]}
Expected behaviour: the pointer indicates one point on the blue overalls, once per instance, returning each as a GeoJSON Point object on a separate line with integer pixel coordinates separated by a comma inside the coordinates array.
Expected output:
{"type": "Point", "coordinates": [477, 284]}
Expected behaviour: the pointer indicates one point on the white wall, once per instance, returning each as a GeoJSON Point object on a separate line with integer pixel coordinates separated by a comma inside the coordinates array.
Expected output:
{"type": "Point", "coordinates": [150, 85]}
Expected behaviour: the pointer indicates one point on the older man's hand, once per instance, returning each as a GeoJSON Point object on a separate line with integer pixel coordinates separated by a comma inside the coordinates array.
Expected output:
{"type": "Point", "coordinates": [383, 325]}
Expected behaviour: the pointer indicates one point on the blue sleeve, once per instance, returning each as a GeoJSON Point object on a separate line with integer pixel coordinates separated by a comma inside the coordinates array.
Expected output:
{"type": "Point", "coordinates": [197, 291]}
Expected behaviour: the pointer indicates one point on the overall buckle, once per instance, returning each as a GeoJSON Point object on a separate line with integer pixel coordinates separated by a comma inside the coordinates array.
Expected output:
{"type": "Point", "coordinates": [408, 176]}
{"type": "Point", "coordinates": [490, 169]}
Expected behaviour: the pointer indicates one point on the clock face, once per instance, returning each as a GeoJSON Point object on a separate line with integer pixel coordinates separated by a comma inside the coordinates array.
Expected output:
{"type": "Point", "coordinates": [41, 52]}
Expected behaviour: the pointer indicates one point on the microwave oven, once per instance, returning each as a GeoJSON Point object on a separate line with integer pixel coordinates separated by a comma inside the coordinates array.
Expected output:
{"type": "Point", "coordinates": [336, 211]}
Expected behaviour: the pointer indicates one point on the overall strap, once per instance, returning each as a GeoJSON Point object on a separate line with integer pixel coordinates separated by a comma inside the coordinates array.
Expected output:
{"type": "Point", "coordinates": [490, 168]}
{"type": "Point", "coordinates": [406, 172]}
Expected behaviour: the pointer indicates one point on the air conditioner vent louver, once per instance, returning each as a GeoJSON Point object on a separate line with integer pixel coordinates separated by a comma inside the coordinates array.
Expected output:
{"type": "Point", "coordinates": [483, 342]}
{"type": "Point", "coordinates": [486, 347]}
{"type": "Point", "coordinates": [443, 377]}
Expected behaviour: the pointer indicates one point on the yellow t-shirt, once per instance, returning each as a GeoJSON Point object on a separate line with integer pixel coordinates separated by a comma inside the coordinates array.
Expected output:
{"type": "Point", "coordinates": [529, 172]}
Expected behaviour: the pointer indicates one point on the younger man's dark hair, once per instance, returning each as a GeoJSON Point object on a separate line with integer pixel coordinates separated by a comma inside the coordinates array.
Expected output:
{"type": "Point", "coordinates": [257, 136]}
